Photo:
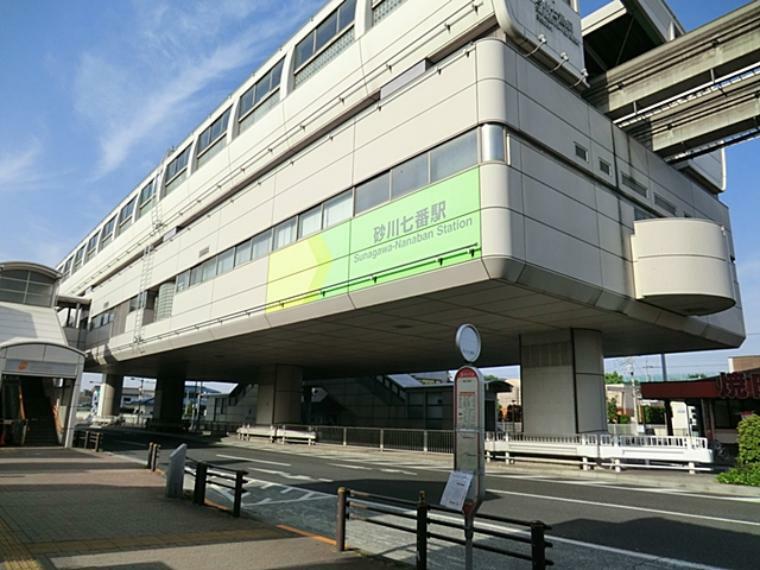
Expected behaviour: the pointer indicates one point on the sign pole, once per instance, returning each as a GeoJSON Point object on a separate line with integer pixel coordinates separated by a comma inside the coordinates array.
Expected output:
{"type": "Point", "coordinates": [465, 488]}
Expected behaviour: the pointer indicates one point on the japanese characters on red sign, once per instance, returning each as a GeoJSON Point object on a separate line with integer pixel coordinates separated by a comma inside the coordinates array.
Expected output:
{"type": "Point", "coordinates": [739, 386]}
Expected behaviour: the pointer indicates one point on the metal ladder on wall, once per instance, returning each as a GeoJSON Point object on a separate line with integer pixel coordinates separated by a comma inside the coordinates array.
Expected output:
{"type": "Point", "coordinates": [147, 261]}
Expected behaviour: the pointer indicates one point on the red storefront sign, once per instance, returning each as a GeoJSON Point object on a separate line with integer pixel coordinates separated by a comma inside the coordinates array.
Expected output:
{"type": "Point", "coordinates": [739, 386]}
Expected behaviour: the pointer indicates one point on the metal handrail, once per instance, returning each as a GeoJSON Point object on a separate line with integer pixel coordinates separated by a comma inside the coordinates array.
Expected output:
{"type": "Point", "coordinates": [347, 500]}
{"type": "Point", "coordinates": [205, 473]}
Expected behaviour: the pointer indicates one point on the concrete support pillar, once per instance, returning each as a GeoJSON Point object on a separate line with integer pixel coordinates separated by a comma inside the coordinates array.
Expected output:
{"type": "Point", "coordinates": [168, 400]}
{"type": "Point", "coordinates": [562, 381]}
{"type": "Point", "coordinates": [279, 397]}
{"type": "Point", "coordinates": [669, 417]}
{"type": "Point", "coordinates": [70, 401]}
{"type": "Point", "coordinates": [109, 401]}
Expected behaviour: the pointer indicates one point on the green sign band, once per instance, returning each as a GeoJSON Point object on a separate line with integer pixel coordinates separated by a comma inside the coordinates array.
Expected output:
{"type": "Point", "coordinates": [435, 227]}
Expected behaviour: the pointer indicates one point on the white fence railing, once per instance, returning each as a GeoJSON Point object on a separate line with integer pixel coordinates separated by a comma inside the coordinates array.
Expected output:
{"type": "Point", "coordinates": [588, 450]}
{"type": "Point", "coordinates": [649, 451]}
{"type": "Point", "coordinates": [426, 441]}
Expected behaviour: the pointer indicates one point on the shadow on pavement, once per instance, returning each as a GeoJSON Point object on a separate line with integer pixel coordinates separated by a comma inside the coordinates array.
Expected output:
{"type": "Point", "coordinates": [672, 539]}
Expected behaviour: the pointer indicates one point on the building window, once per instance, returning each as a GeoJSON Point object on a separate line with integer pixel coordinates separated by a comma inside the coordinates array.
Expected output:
{"type": "Point", "coordinates": [27, 287]}
{"type": "Point", "coordinates": [310, 222]}
{"type": "Point", "coordinates": [92, 247]}
{"type": "Point", "coordinates": [454, 156]}
{"type": "Point", "coordinates": [494, 143]}
{"type": "Point", "coordinates": [176, 171]}
{"type": "Point", "coordinates": [226, 261]}
{"type": "Point", "coordinates": [195, 275]}
{"type": "Point", "coordinates": [337, 209]}
{"type": "Point", "coordinates": [212, 139]}
{"type": "Point", "coordinates": [125, 216]}
{"type": "Point", "coordinates": [106, 235]}
{"type": "Point", "coordinates": [634, 184]}
{"type": "Point", "coordinates": [372, 193]}
{"type": "Point", "coordinates": [285, 233]}
{"type": "Point", "coordinates": [604, 166]}
{"type": "Point", "coordinates": [183, 281]}
{"type": "Point", "coordinates": [78, 259]}
{"type": "Point", "coordinates": [639, 214]}
{"type": "Point", "coordinates": [262, 245]}
{"type": "Point", "coordinates": [145, 201]}
{"type": "Point", "coordinates": [325, 42]}
{"type": "Point", "coordinates": [409, 176]}
{"type": "Point", "coordinates": [208, 269]}
{"type": "Point", "coordinates": [243, 253]}
{"type": "Point", "coordinates": [261, 97]}
{"type": "Point", "coordinates": [664, 204]}
{"type": "Point", "coordinates": [581, 152]}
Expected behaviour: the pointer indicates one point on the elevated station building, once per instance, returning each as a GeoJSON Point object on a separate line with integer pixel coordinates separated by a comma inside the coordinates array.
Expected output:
{"type": "Point", "coordinates": [397, 168]}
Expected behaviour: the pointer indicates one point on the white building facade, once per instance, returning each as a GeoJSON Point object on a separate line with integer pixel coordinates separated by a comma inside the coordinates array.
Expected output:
{"type": "Point", "coordinates": [395, 169]}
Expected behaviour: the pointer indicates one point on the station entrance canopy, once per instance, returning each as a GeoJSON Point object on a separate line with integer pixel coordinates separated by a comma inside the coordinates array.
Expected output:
{"type": "Point", "coordinates": [39, 372]}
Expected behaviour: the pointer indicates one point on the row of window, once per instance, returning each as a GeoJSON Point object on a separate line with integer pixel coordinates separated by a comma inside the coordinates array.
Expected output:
{"type": "Point", "coordinates": [26, 288]}
{"type": "Point", "coordinates": [324, 34]}
{"type": "Point", "coordinates": [431, 166]}
{"type": "Point", "coordinates": [434, 165]}
{"type": "Point", "coordinates": [627, 180]}
{"type": "Point", "coordinates": [117, 224]}
{"type": "Point", "coordinates": [259, 98]}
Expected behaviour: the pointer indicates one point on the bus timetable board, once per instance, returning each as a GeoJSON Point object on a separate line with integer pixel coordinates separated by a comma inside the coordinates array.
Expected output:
{"type": "Point", "coordinates": [469, 414]}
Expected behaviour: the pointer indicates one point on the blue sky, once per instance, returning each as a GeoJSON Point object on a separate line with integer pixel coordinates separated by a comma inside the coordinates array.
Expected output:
{"type": "Point", "coordinates": [94, 93]}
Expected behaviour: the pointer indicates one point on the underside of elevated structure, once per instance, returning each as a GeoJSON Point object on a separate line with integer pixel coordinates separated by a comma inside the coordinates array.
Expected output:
{"type": "Point", "coordinates": [417, 333]}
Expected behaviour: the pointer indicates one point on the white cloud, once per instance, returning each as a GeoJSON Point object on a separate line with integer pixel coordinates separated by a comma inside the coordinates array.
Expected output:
{"type": "Point", "coordinates": [140, 90]}
{"type": "Point", "coordinates": [19, 168]}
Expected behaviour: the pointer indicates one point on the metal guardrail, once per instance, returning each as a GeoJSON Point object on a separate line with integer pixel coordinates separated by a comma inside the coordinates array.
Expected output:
{"type": "Point", "coordinates": [89, 439]}
{"type": "Point", "coordinates": [209, 474]}
{"type": "Point", "coordinates": [423, 515]}
{"type": "Point", "coordinates": [587, 450]}
{"type": "Point", "coordinates": [401, 439]}
{"type": "Point", "coordinates": [153, 451]}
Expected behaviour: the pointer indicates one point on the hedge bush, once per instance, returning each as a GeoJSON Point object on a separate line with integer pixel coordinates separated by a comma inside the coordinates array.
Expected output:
{"type": "Point", "coordinates": [742, 475]}
{"type": "Point", "coordinates": [747, 471]}
{"type": "Point", "coordinates": [749, 440]}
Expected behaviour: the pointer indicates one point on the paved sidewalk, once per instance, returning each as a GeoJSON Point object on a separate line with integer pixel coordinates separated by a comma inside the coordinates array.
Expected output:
{"type": "Point", "coordinates": [73, 509]}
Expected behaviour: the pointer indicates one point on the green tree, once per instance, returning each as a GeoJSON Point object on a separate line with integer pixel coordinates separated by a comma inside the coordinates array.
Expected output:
{"type": "Point", "coordinates": [612, 412]}
{"type": "Point", "coordinates": [613, 378]}
{"type": "Point", "coordinates": [653, 415]}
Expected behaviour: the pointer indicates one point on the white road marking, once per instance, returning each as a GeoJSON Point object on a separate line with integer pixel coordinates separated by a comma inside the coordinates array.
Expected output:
{"type": "Point", "coordinates": [253, 460]}
{"type": "Point", "coordinates": [345, 466]}
{"type": "Point", "coordinates": [401, 471]}
{"type": "Point", "coordinates": [282, 474]}
{"type": "Point", "coordinates": [628, 508]}
{"type": "Point", "coordinates": [611, 485]}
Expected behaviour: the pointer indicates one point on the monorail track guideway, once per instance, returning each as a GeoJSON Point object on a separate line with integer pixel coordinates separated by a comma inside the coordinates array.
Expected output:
{"type": "Point", "coordinates": [691, 95]}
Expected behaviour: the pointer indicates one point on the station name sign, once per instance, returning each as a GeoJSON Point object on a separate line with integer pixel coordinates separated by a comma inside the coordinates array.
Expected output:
{"type": "Point", "coordinates": [739, 386]}
{"type": "Point", "coordinates": [550, 17]}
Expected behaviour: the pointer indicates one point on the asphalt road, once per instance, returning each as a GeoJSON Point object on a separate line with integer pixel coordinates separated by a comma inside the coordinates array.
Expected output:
{"type": "Point", "coordinates": [659, 527]}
